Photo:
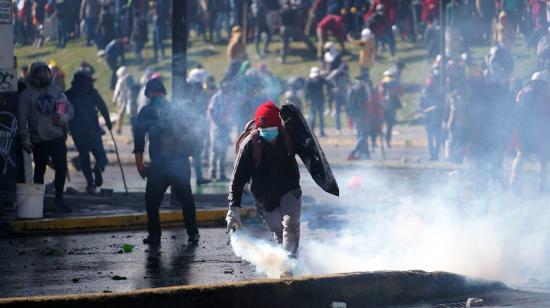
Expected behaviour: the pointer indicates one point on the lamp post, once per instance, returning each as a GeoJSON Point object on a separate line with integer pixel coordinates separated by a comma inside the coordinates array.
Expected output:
{"type": "Point", "coordinates": [442, 47]}
{"type": "Point", "coordinates": [180, 36]}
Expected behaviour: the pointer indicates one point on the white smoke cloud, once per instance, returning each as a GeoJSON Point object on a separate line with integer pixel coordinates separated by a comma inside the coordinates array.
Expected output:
{"type": "Point", "coordinates": [389, 223]}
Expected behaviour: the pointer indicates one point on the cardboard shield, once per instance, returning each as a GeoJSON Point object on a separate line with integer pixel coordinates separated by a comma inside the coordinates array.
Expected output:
{"type": "Point", "coordinates": [307, 147]}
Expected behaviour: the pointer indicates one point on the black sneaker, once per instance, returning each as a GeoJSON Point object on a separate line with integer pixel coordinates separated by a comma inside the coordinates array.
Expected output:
{"type": "Point", "coordinates": [61, 207]}
{"type": "Point", "coordinates": [98, 177]}
{"type": "Point", "coordinates": [152, 240]}
{"type": "Point", "coordinates": [90, 189]}
{"type": "Point", "coordinates": [194, 239]}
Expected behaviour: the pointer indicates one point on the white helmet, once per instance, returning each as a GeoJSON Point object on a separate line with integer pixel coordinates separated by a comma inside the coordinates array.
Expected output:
{"type": "Point", "coordinates": [314, 72]}
{"type": "Point", "coordinates": [329, 45]}
{"type": "Point", "coordinates": [540, 76]}
{"type": "Point", "coordinates": [366, 34]}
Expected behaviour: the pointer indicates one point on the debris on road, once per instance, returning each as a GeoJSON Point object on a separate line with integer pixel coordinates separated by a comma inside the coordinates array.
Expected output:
{"type": "Point", "coordinates": [117, 277]}
{"type": "Point", "coordinates": [474, 302]}
{"type": "Point", "coordinates": [127, 248]}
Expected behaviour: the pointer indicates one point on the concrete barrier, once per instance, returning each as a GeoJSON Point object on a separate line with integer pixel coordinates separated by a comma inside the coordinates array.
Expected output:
{"type": "Point", "coordinates": [210, 217]}
{"type": "Point", "coordinates": [367, 289]}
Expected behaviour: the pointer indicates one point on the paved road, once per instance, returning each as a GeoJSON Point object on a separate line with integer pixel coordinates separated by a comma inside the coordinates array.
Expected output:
{"type": "Point", "coordinates": [83, 263]}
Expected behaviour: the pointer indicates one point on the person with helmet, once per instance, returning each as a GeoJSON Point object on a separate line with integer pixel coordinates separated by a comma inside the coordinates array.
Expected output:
{"type": "Point", "coordinates": [315, 89]}
{"type": "Point", "coordinates": [338, 77]}
{"type": "Point", "coordinates": [125, 97]}
{"type": "Point", "coordinates": [58, 76]}
{"type": "Point", "coordinates": [367, 51]}
{"type": "Point", "coordinates": [44, 113]}
{"type": "Point", "coordinates": [265, 155]}
{"type": "Point", "coordinates": [381, 26]}
{"type": "Point", "coordinates": [359, 97]}
{"type": "Point", "coordinates": [171, 143]}
{"type": "Point", "coordinates": [390, 93]}
{"type": "Point", "coordinates": [292, 94]}
{"type": "Point", "coordinates": [85, 127]}
{"type": "Point", "coordinates": [532, 127]}
{"type": "Point", "coordinates": [114, 50]}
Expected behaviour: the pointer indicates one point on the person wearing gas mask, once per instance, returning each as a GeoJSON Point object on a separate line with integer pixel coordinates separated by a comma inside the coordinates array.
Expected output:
{"type": "Point", "coordinates": [171, 143]}
{"type": "Point", "coordinates": [265, 154]}
{"type": "Point", "coordinates": [44, 113]}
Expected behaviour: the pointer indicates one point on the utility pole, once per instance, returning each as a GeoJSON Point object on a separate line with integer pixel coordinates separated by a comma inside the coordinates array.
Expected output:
{"type": "Point", "coordinates": [180, 36]}
{"type": "Point", "coordinates": [245, 22]}
{"type": "Point", "coordinates": [442, 47]}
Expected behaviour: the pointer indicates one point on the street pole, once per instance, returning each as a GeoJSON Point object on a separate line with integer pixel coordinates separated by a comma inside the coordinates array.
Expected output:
{"type": "Point", "coordinates": [443, 68]}
{"type": "Point", "coordinates": [180, 36]}
{"type": "Point", "coordinates": [245, 22]}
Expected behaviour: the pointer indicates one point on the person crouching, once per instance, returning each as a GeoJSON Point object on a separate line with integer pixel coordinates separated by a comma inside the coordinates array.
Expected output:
{"type": "Point", "coordinates": [265, 155]}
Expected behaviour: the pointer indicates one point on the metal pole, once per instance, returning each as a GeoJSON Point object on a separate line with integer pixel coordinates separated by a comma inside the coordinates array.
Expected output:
{"type": "Point", "coordinates": [245, 22]}
{"type": "Point", "coordinates": [442, 47]}
{"type": "Point", "coordinates": [119, 163]}
{"type": "Point", "coordinates": [180, 36]}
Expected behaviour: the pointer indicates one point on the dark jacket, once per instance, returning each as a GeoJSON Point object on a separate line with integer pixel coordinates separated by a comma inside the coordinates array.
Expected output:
{"type": "Point", "coordinates": [169, 135]}
{"type": "Point", "coordinates": [86, 103]}
{"type": "Point", "coordinates": [275, 175]}
{"type": "Point", "coordinates": [314, 90]}
{"type": "Point", "coordinates": [359, 96]}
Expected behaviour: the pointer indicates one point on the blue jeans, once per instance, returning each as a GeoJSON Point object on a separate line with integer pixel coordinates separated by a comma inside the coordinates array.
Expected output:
{"type": "Point", "coordinates": [61, 33]}
{"type": "Point", "coordinates": [157, 42]}
{"type": "Point", "coordinates": [316, 109]}
{"type": "Point", "coordinates": [91, 24]}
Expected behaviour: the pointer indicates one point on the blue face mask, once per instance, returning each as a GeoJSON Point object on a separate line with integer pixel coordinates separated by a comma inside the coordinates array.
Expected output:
{"type": "Point", "coordinates": [156, 100]}
{"type": "Point", "coordinates": [269, 134]}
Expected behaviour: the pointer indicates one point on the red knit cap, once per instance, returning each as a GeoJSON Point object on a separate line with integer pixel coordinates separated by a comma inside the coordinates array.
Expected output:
{"type": "Point", "coordinates": [267, 115]}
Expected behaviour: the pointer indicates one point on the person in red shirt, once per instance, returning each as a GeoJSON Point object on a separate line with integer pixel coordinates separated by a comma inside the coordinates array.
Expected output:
{"type": "Point", "coordinates": [430, 11]}
{"type": "Point", "coordinates": [390, 10]}
{"type": "Point", "coordinates": [333, 24]}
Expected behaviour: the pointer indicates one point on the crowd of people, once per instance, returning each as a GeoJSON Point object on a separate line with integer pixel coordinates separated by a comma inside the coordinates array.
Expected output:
{"type": "Point", "coordinates": [479, 112]}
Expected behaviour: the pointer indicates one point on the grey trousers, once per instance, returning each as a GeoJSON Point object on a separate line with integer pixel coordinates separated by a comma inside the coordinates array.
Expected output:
{"type": "Point", "coordinates": [284, 221]}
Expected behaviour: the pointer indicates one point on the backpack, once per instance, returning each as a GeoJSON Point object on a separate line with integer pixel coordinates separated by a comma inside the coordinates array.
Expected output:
{"type": "Point", "coordinates": [251, 130]}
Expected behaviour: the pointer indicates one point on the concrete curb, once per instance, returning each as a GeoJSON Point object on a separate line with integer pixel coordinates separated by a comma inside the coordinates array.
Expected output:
{"type": "Point", "coordinates": [93, 223]}
{"type": "Point", "coordinates": [369, 289]}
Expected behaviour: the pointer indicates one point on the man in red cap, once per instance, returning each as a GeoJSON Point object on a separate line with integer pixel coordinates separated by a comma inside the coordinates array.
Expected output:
{"type": "Point", "coordinates": [265, 154]}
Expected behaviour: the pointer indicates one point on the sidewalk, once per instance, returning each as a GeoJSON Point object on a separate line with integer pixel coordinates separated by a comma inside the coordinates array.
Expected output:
{"type": "Point", "coordinates": [116, 211]}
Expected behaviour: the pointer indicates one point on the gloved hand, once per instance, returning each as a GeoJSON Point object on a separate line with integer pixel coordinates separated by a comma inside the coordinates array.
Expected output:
{"type": "Point", "coordinates": [27, 146]}
{"type": "Point", "coordinates": [233, 218]}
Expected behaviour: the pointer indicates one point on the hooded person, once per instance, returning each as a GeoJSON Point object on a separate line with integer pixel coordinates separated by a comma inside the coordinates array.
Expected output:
{"type": "Point", "coordinates": [171, 142]}
{"type": "Point", "coordinates": [85, 129]}
{"type": "Point", "coordinates": [265, 155]}
{"type": "Point", "coordinates": [43, 114]}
